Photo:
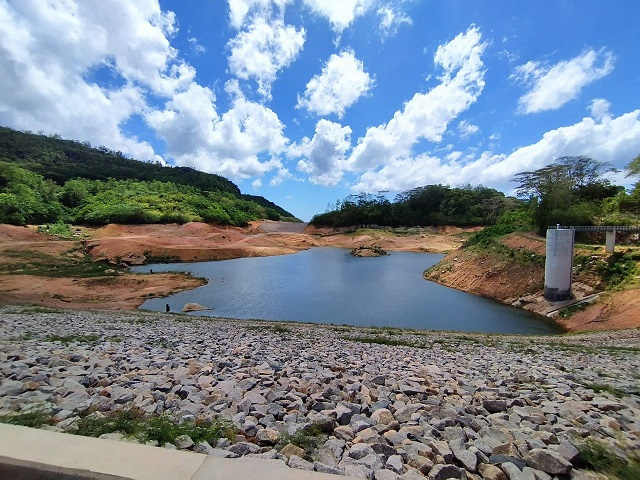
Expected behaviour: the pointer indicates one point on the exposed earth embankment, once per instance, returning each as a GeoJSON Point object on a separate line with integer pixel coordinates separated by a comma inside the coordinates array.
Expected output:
{"type": "Point", "coordinates": [511, 270]}
{"type": "Point", "coordinates": [88, 270]}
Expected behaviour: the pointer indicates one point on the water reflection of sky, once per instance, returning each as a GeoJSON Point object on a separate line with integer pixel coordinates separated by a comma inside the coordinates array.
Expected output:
{"type": "Point", "coordinates": [327, 285]}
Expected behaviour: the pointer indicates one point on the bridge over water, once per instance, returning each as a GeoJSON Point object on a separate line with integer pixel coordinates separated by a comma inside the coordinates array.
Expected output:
{"type": "Point", "coordinates": [558, 268]}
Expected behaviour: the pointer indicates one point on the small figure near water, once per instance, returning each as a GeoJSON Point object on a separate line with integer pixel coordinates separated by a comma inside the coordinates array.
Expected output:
{"type": "Point", "coordinates": [167, 308]}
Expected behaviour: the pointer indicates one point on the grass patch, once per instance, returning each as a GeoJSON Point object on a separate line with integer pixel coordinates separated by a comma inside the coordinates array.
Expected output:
{"type": "Point", "coordinates": [61, 230]}
{"type": "Point", "coordinates": [72, 338]}
{"type": "Point", "coordinates": [601, 387]}
{"type": "Point", "coordinates": [36, 309]}
{"type": "Point", "coordinates": [45, 265]}
{"type": "Point", "coordinates": [383, 341]}
{"type": "Point", "coordinates": [308, 438]}
{"type": "Point", "coordinates": [603, 459]}
{"type": "Point", "coordinates": [566, 312]}
{"type": "Point", "coordinates": [281, 329]}
{"type": "Point", "coordinates": [161, 429]}
{"type": "Point", "coordinates": [34, 418]}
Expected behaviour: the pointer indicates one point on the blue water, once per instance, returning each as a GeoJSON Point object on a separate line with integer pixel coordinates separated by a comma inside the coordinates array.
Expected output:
{"type": "Point", "coordinates": [327, 285]}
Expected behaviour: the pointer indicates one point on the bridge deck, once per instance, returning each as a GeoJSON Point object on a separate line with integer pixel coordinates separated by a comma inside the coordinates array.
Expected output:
{"type": "Point", "coordinates": [602, 228]}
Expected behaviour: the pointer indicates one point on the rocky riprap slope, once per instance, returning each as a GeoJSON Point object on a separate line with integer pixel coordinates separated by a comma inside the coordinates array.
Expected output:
{"type": "Point", "coordinates": [437, 405]}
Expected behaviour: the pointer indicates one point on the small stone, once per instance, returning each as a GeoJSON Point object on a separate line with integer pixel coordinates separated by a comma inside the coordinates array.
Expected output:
{"type": "Point", "coordinates": [203, 447]}
{"type": "Point", "coordinates": [512, 471]}
{"type": "Point", "coordinates": [344, 432]}
{"type": "Point", "coordinates": [183, 442]}
{"type": "Point", "coordinates": [10, 387]}
{"type": "Point", "coordinates": [568, 451]}
{"type": "Point", "coordinates": [291, 449]}
{"type": "Point", "coordinates": [385, 474]}
{"type": "Point", "coordinates": [446, 472]}
{"type": "Point", "coordinates": [324, 468]}
{"type": "Point", "coordinates": [244, 448]}
{"type": "Point", "coordinates": [360, 450]}
{"type": "Point", "coordinates": [394, 463]}
{"type": "Point", "coordinates": [299, 463]}
{"type": "Point", "coordinates": [494, 405]}
{"type": "Point", "coordinates": [548, 461]}
{"type": "Point", "coordinates": [491, 472]}
{"type": "Point", "coordinates": [382, 416]}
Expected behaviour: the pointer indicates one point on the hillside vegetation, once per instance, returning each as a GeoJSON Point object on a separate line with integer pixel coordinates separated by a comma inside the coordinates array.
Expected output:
{"type": "Point", "coordinates": [431, 205]}
{"type": "Point", "coordinates": [47, 179]}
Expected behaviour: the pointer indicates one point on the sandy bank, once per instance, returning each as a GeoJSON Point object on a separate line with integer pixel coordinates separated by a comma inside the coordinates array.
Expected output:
{"type": "Point", "coordinates": [28, 259]}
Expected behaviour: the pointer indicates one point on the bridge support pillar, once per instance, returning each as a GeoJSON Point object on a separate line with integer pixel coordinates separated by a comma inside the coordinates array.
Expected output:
{"type": "Point", "coordinates": [610, 244]}
{"type": "Point", "coordinates": [558, 268]}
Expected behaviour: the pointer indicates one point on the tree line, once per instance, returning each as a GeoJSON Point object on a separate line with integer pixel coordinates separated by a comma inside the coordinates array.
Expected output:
{"type": "Point", "coordinates": [48, 179]}
{"type": "Point", "coordinates": [570, 191]}
{"type": "Point", "coordinates": [28, 198]}
{"type": "Point", "coordinates": [428, 205]}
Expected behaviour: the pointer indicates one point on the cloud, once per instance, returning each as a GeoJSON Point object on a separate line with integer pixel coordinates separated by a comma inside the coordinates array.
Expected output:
{"type": "Point", "coordinates": [324, 153]}
{"type": "Point", "coordinates": [555, 85]}
{"type": "Point", "coordinates": [467, 129]}
{"type": "Point", "coordinates": [51, 52]}
{"type": "Point", "coordinates": [243, 142]}
{"type": "Point", "coordinates": [263, 49]}
{"type": "Point", "coordinates": [256, 184]}
{"type": "Point", "coordinates": [613, 140]}
{"type": "Point", "coordinates": [342, 82]}
{"type": "Point", "coordinates": [427, 115]}
{"type": "Point", "coordinates": [239, 10]}
{"type": "Point", "coordinates": [599, 108]}
{"type": "Point", "coordinates": [340, 13]}
{"type": "Point", "coordinates": [196, 47]}
{"type": "Point", "coordinates": [391, 20]}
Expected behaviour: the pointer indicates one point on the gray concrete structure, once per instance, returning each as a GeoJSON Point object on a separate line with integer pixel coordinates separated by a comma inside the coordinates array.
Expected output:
{"type": "Point", "coordinates": [558, 268]}
{"type": "Point", "coordinates": [32, 454]}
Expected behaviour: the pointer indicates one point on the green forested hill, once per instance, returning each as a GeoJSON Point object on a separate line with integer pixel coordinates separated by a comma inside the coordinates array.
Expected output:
{"type": "Point", "coordinates": [61, 160]}
{"type": "Point", "coordinates": [47, 179]}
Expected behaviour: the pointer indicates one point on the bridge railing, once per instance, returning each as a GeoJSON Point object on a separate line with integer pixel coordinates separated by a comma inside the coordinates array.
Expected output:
{"type": "Point", "coordinates": [599, 228]}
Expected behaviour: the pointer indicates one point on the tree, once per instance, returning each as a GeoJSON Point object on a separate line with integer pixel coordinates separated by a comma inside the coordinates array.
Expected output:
{"type": "Point", "coordinates": [559, 192]}
{"type": "Point", "coordinates": [633, 169]}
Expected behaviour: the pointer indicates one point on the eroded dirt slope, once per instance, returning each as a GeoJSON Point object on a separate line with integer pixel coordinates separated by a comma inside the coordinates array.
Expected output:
{"type": "Point", "coordinates": [515, 281]}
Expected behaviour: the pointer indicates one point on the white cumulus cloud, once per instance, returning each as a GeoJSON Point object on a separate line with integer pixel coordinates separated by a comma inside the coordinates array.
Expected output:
{"type": "Point", "coordinates": [599, 108]}
{"type": "Point", "coordinates": [323, 154]}
{"type": "Point", "coordinates": [390, 20]}
{"type": "Point", "coordinates": [243, 142]}
{"type": "Point", "coordinates": [613, 140]}
{"type": "Point", "coordinates": [467, 129]}
{"type": "Point", "coordinates": [342, 82]}
{"type": "Point", "coordinates": [427, 115]}
{"type": "Point", "coordinates": [50, 52]}
{"type": "Point", "coordinates": [340, 13]}
{"type": "Point", "coordinates": [240, 10]}
{"type": "Point", "coordinates": [262, 50]}
{"type": "Point", "coordinates": [552, 86]}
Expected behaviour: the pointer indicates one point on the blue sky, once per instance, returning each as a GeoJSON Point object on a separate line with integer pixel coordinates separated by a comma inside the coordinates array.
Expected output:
{"type": "Point", "coordinates": [308, 101]}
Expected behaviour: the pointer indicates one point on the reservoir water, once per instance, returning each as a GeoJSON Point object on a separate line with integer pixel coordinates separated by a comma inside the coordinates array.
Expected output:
{"type": "Point", "coordinates": [328, 285]}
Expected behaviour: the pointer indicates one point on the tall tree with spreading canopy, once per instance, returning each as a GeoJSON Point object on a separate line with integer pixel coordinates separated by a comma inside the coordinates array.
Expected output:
{"type": "Point", "coordinates": [564, 191]}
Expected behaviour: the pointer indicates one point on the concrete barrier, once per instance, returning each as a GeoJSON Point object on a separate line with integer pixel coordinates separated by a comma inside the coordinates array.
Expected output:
{"type": "Point", "coordinates": [30, 454]}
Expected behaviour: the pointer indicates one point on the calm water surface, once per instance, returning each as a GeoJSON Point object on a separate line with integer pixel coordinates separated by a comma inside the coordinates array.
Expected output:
{"type": "Point", "coordinates": [327, 285]}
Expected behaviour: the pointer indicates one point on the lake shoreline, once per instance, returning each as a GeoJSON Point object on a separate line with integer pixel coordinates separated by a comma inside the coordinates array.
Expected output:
{"type": "Point", "coordinates": [328, 284]}
{"type": "Point", "coordinates": [387, 402]}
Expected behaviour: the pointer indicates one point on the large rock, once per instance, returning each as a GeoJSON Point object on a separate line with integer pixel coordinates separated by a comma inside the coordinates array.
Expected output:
{"type": "Point", "coordinates": [548, 461]}
{"type": "Point", "coordinates": [194, 307]}
{"type": "Point", "coordinates": [291, 449]}
{"type": "Point", "coordinates": [446, 472]}
{"type": "Point", "coordinates": [299, 463]}
{"type": "Point", "coordinates": [491, 472]}
{"type": "Point", "coordinates": [382, 416]}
